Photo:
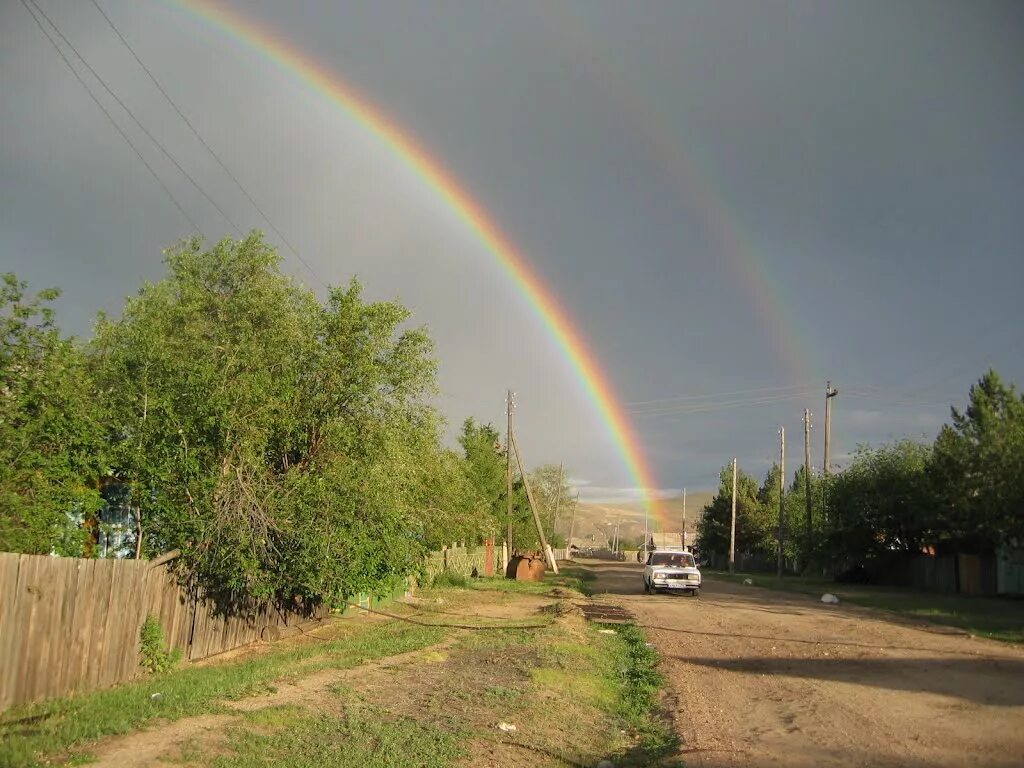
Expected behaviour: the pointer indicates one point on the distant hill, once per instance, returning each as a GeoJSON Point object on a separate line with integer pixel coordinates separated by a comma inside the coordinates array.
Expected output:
{"type": "Point", "coordinates": [595, 521]}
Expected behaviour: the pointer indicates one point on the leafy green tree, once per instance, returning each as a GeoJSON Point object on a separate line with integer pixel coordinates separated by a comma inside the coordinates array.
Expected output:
{"type": "Point", "coordinates": [278, 442]}
{"type": "Point", "coordinates": [977, 470]}
{"type": "Point", "coordinates": [816, 552]}
{"type": "Point", "coordinates": [713, 531]}
{"type": "Point", "coordinates": [51, 449]}
{"type": "Point", "coordinates": [484, 467]}
{"type": "Point", "coordinates": [445, 501]}
{"type": "Point", "coordinates": [882, 502]}
{"type": "Point", "coordinates": [551, 492]}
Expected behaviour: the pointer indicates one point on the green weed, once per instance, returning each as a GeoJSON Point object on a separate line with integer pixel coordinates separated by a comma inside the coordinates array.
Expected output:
{"type": "Point", "coordinates": [152, 654]}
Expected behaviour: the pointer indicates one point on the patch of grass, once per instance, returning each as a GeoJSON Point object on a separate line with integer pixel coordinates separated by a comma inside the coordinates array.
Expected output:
{"type": "Point", "coordinates": [564, 580]}
{"type": "Point", "coordinates": [993, 617]}
{"type": "Point", "coordinates": [595, 690]}
{"type": "Point", "coordinates": [636, 663]}
{"type": "Point", "coordinates": [450, 580]}
{"type": "Point", "coordinates": [274, 718]}
{"type": "Point", "coordinates": [601, 688]}
{"type": "Point", "coordinates": [496, 640]}
{"type": "Point", "coordinates": [32, 733]}
{"type": "Point", "coordinates": [502, 695]}
{"type": "Point", "coordinates": [572, 653]}
{"type": "Point", "coordinates": [363, 738]}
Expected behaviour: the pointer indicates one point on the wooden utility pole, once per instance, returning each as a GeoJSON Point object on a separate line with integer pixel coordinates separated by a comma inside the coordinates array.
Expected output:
{"type": "Point", "coordinates": [572, 521]}
{"type": "Point", "coordinates": [808, 531]}
{"type": "Point", "coordinates": [533, 505]}
{"type": "Point", "coordinates": [558, 499]}
{"type": "Point", "coordinates": [509, 405]}
{"type": "Point", "coordinates": [782, 496]}
{"type": "Point", "coordinates": [647, 534]}
{"type": "Point", "coordinates": [732, 526]}
{"type": "Point", "coordinates": [684, 518]}
{"type": "Point", "coordinates": [830, 392]}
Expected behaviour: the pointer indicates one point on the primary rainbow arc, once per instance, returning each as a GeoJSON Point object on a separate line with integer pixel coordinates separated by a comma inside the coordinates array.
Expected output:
{"type": "Point", "coordinates": [329, 85]}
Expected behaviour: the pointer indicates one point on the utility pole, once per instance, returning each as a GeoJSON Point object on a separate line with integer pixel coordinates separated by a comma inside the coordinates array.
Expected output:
{"type": "Point", "coordinates": [647, 535]}
{"type": "Point", "coordinates": [782, 495]}
{"type": "Point", "coordinates": [558, 499]}
{"type": "Point", "coordinates": [830, 392]}
{"type": "Point", "coordinates": [807, 482]}
{"type": "Point", "coordinates": [684, 518]}
{"type": "Point", "coordinates": [510, 404]}
{"type": "Point", "coordinates": [732, 527]}
{"type": "Point", "coordinates": [548, 554]}
{"type": "Point", "coordinates": [572, 520]}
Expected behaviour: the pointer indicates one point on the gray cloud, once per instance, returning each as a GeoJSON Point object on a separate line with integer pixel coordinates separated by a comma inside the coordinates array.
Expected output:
{"type": "Point", "coordinates": [865, 157]}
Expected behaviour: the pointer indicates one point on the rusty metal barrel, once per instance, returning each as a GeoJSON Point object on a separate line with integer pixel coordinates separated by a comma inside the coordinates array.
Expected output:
{"type": "Point", "coordinates": [526, 567]}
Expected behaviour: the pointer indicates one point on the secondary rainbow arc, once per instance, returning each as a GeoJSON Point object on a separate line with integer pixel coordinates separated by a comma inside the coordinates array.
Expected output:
{"type": "Point", "coordinates": [267, 44]}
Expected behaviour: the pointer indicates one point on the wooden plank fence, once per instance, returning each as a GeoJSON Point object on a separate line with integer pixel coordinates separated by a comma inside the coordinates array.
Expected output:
{"type": "Point", "coordinates": [460, 560]}
{"type": "Point", "coordinates": [69, 624]}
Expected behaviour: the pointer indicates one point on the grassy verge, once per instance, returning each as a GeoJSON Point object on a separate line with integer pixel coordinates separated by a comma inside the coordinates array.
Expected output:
{"type": "Point", "coordinates": [639, 684]}
{"type": "Point", "coordinates": [30, 734]}
{"type": "Point", "coordinates": [993, 617]}
{"type": "Point", "coordinates": [568, 578]}
{"type": "Point", "coordinates": [576, 694]}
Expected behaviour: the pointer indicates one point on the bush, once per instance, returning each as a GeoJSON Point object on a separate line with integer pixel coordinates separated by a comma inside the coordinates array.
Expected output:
{"type": "Point", "coordinates": [152, 654]}
{"type": "Point", "coordinates": [450, 579]}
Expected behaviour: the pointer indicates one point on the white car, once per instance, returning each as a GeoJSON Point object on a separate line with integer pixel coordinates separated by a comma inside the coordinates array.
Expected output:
{"type": "Point", "coordinates": [672, 569]}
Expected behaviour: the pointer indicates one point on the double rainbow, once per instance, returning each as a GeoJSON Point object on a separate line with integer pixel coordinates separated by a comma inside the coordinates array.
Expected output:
{"type": "Point", "coordinates": [329, 85]}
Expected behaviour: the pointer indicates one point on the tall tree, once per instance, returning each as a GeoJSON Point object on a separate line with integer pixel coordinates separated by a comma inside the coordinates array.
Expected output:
{"type": "Point", "coordinates": [277, 441]}
{"type": "Point", "coordinates": [882, 502]}
{"type": "Point", "coordinates": [551, 490]}
{"type": "Point", "coordinates": [978, 466]}
{"type": "Point", "coordinates": [485, 474]}
{"type": "Point", "coordinates": [714, 527]}
{"type": "Point", "coordinates": [51, 449]}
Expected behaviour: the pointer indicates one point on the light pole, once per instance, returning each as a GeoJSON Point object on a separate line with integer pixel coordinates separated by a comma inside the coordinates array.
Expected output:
{"type": "Point", "coordinates": [647, 535]}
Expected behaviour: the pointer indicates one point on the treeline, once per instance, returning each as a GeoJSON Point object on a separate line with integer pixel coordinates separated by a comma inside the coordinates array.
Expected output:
{"type": "Point", "coordinates": [286, 446]}
{"type": "Point", "coordinates": [962, 493]}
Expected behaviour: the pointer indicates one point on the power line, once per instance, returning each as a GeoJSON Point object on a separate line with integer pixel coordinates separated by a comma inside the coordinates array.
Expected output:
{"type": "Point", "coordinates": [721, 406]}
{"type": "Point", "coordinates": [684, 398]}
{"type": "Point", "coordinates": [896, 400]}
{"type": "Point", "coordinates": [137, 122]}
{"type": "Point", "coordinates": [110, 117]}
{"type": "Point", "coordinates": [213, 154]}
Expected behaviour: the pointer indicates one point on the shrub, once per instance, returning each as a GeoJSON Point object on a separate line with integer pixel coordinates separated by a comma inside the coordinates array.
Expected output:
{"type": "Point", "coordinates": [152, 654]}
{"type": "Point", "coordinates": [450, 579]}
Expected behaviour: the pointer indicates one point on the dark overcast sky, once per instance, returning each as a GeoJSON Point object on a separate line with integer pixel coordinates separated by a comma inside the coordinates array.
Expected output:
{"type": "Point", "coordinates": [726, 197]}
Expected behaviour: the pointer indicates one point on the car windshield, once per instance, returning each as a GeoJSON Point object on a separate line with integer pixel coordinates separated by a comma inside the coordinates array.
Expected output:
{"type": "Point", "coordinates": [679, 559]}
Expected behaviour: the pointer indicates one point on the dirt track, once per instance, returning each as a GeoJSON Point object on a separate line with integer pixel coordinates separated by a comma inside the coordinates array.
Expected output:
{"type": "Point", "coordinates": [762, 678]}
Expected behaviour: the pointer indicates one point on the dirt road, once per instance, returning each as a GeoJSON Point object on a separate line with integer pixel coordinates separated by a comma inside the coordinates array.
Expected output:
{"type": "Point", "coordinates": [761, 678]}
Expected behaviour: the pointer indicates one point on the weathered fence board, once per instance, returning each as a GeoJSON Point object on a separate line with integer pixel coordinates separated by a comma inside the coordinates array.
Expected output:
{"type": "Point", "coordinates": [458, 560]}
{"type": "Point", "coordinates": [71, 625]}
